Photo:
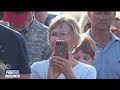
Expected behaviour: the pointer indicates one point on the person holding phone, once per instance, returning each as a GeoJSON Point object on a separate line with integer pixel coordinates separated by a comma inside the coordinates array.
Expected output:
{"type": "Point", "coordinates": [64, 37]}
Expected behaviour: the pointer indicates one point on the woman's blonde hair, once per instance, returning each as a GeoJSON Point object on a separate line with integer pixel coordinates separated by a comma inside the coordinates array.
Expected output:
{"type": "Point", "coordinates": [71, 21]}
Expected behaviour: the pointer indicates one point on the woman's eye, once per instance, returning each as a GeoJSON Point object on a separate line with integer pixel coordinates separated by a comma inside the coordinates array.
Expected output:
{"type": "Point", "coordinates": [54, 34]}
{"type": "Point", "coordinates": [63, 34]}
{"type": "Point", "coordinates": [77, 58]}
{"type": "Point", "coordinates": [86, 58]}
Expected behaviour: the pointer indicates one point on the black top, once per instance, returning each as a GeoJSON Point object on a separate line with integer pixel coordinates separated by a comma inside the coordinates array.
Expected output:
{"type": "Point", "coordinates": [13, 50]}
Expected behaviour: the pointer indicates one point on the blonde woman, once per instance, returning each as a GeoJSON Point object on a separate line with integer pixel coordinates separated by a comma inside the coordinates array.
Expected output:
{"type": "Point", "coordinates": [63, 27]}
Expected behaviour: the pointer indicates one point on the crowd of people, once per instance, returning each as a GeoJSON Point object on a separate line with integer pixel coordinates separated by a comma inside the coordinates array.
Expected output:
{"type": "Point", "coordinates": [28, 44]}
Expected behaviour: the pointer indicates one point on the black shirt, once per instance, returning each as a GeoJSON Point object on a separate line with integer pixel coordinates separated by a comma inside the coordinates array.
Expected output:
{"type": "Point", "coordinates": [13, 50]}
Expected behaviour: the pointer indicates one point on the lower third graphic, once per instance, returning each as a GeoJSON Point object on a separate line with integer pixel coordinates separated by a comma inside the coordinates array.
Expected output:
{"type": "Point", "coordinates": [12, 74]}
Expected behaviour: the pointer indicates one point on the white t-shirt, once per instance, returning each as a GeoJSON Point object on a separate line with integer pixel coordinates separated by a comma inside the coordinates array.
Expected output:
{"type": "Point", "coordinates": [39, 70]}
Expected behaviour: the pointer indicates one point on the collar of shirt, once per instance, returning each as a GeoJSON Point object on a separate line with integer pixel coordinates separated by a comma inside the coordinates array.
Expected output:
{"type": "Point", "coordinates": [23, 32]}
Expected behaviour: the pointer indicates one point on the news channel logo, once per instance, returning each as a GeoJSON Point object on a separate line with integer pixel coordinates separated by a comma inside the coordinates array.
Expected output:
{"type": "Point", "coordinates": [12, 74]}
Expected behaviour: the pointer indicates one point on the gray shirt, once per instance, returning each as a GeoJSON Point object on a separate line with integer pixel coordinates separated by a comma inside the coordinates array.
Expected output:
{"type": "Point", "coordinates": [36, 38]}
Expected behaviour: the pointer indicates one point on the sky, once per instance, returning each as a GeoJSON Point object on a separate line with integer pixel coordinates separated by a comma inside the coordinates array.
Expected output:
{"type": "Point", "coordinates": [56, 13]}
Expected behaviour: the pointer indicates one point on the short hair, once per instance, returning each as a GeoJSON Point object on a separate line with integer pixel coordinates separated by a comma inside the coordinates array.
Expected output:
{"type": "Point", "coordinates": [71, 21]}
{"type": "Point", "coordinates": [3, 68]}
{"type": "Point", "coordinates": [87, 46]}
{"type": "Point", "coordinates": [83, 21]}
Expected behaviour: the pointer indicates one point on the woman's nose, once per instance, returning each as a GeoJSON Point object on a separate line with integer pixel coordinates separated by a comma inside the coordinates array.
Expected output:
{"type": "Point", "coordinates": [59, 38]}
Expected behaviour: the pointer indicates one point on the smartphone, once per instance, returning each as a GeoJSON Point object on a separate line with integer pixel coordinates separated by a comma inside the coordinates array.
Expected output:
{"type": "Point", "coordinates": [61, 49]}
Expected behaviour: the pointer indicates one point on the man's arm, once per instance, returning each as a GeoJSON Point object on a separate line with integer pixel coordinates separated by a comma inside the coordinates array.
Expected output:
{"type": "Point", "coordinates": [23, 63]}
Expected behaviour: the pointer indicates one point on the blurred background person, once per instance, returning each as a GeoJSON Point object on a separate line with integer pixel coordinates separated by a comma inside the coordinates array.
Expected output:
{"type": "Point", "coordinates": [115, 28]}
{"type": "Point", "coordinates": [76, 15]}
{"type": "Point", "coordinates": [84, 23]}
{"type": "Point", "coordinates": [40, 16]}
{"type": "Point", "coordinates": [50, 16]}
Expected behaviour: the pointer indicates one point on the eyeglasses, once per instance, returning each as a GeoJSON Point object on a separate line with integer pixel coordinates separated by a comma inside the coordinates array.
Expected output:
{"type": "Point", "coordinates": [55, 34]}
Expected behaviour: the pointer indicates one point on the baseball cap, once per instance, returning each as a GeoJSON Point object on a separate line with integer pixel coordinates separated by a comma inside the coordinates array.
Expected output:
{"type": "Point", "coordinates": [16, 17]}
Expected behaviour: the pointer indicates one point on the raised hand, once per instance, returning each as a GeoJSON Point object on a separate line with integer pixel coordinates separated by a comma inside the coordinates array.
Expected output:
{"type": "Point", "coordinates": [64, 66]}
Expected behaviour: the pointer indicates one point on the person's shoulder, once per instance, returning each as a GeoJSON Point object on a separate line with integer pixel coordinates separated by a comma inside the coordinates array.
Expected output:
{"type": "Point", "coordinates": [6, 29]}
{"type": "Point", "coordinates": [4, 23]}
{"type": "Point", "coordinates": [115, 38]}
{"type": "Point", "coordinates": [39, 25]}
{"type": "Point", "coordinates": [40, 64]}
{"type": "Point", "coordinates": [38, 28]}
{"type": "Point", "coordinates": [86, 66]}
{"type": "Point", "coordinates": [39, 69]}
{"type": "Point", "coordinates": [10, 32]}
{"type": "Point", "coordinates": [85, 71]}
{"type": "Point", "coordinates": [3, 27]}
{"type": "Point", "coordinates": [118, 39]}
{"type": "Point", "coordinates": [43, 26]}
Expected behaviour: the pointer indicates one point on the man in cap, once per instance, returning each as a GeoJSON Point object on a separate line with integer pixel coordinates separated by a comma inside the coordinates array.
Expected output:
{"type": "Point", "coordinates": [13, 52]}
{"type": "Point", "coordinates": [35, 34]}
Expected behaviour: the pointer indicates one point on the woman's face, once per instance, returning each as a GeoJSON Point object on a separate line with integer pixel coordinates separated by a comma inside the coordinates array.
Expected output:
{"type": "Point", "coordinates": [41, 16]}
{"type": "Point", "coordinates": [62, 32]}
